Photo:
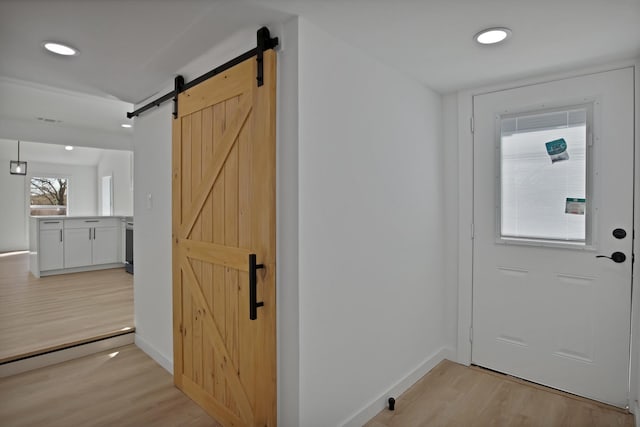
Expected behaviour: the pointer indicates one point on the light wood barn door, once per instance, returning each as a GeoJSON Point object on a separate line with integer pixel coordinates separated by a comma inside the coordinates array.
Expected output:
{"type": "Point", "coordinates": [224, 211]}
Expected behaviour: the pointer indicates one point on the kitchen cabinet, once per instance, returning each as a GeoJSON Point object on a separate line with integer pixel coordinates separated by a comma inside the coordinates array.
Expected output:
{"type": "Point", "coordinates": [51, 245]}
{"type": "Point", "coordinates": [91, 242]}
{"type": "Point", "coordinates": [77, 247]}
{"type": "Point", "coordinates": [65, 245]}
{"type": "Point", "coordinates": [106, 244]}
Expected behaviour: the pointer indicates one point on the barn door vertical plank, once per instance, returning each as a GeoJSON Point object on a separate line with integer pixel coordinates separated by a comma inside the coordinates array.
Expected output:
{"type": "Point", "coordinates": [176, 211]}
{"type": "Point", "coordinates": [231, 239]}
{"type": "Point", "coordinates": [219, 294]}
{"type": "Point", "coordinates": [207, 236]}
{"type": "Point", "coordinates": [196, 234]}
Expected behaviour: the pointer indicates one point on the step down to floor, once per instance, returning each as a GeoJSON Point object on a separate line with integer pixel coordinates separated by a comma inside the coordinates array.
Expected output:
{"type": "Point", "coordinates": [71, 352]}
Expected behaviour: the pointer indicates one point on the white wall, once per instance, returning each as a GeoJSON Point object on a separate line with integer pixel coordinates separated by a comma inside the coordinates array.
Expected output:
{"type": "Point", "coordinates": [372, 286]}
{"type": "Point", "coordinates": [288, 322]}
{"type": "Point", "coordinates": [635, 307]}
{"type": "Point", "coordinates": [118, 164]}
{"type": "Point", "coordinates": [450, 185]}
{"type": "Point", "coordinates": [152, 235]}
{"type": "Point", "coordinates": [14, 189]}
{"type": "Point", "coordinates": [82, 188]}
{"type": "Point", "coordinates": [14, 224]}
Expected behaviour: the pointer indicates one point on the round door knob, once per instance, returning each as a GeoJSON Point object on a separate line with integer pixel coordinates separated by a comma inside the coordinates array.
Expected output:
{"type": "Point", "coordinates": [615, 257]}
{"type": "Point", "coordinates": [618, 257]}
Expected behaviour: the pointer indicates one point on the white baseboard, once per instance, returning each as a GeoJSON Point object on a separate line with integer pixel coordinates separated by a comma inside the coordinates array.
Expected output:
{"type": "Point", "coordinates": [80, 269]}
{"type": "Point", "coordinates": [62, 355]}
{"type": "Point", "coordinates": [153, 353]}
{"type": "Point", "coordinates": [378, 404]}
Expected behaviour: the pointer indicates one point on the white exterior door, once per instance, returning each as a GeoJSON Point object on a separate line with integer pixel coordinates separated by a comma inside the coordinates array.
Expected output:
{"type": "Point", "coordinates": [553, 179]}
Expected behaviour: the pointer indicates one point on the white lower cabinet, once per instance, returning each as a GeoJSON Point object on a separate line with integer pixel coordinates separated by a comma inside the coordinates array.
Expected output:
{"type": "Point", "coordinates": [61, 245]}
{"type": "Point", "coordinates": [51, 253]}
{"type": "Point", "coordinates": [106, 244]}
{"type": "Point", "coordinates": [77, 247]}
{"type": "Point", "coordinates": [91, 242]}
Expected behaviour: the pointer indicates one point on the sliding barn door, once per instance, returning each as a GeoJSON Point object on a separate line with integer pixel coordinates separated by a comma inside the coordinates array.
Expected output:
{"type": "Point", "coordinates": [223, 221]}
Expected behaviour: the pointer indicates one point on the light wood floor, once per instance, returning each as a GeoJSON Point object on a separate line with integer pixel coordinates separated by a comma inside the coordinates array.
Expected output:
{"type": "Point", "coordinates": [128, 389]}
{"type": "Point", "coordinates": [55, 311]}
{"type": "Point", "coordinates": [456, 395]}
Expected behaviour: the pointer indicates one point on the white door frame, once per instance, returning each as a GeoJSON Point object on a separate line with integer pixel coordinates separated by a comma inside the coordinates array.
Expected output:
{"type": "Point", "coordinates": [465, 214]}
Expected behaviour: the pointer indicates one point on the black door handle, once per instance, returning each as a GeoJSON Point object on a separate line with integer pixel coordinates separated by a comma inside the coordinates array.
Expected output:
{"type": "Point", "coordinates": [615, 257]}
{"type": "Point", "coordinates": [253, 282]}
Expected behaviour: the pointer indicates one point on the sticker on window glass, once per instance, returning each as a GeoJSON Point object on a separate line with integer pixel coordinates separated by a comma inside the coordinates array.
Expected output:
{"type": "Point", "coordinates": [557, 150]}
{"type": "Point", "coordinates": [575, 206]}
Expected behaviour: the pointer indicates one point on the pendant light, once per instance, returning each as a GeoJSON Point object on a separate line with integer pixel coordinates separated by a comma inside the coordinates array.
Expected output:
{"type": "Point", "coordinates": [16, 167]}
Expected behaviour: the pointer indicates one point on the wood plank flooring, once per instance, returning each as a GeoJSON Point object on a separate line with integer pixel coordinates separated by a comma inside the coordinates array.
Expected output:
{"type": "Point", "coordinates": [121, 387]}
{"type": "Point", "coordinates": [55, 311]}
{"type": "Point", "coordinates": [456, 395]}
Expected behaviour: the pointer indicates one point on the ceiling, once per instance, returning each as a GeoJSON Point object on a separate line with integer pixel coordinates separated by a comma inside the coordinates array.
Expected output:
{"type": "Point", "coordinates": [432, 40]}
{"type": "Point", "coordinates": [49, 153]}
{"type": "Point", "coordinates": [130, 50]}
{"type": "Point", "coordinates": [52, 107]}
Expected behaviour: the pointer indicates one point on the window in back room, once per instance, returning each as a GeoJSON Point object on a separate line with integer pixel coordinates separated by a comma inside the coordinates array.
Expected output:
{"type": "Point", "coordinates": [48, 195]}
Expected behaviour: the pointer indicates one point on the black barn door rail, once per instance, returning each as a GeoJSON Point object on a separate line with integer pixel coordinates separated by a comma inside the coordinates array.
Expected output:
{"type": "Point", "coordinates": [264, 42]}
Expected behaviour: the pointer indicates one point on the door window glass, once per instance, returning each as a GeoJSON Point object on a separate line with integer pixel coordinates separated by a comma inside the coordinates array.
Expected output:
{"type": "Point", "coordinates": [543, 179]}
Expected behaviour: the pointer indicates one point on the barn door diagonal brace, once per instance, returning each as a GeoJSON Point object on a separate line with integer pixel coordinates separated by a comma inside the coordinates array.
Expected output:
{"type": "Point", "coordinates": [264, 42]}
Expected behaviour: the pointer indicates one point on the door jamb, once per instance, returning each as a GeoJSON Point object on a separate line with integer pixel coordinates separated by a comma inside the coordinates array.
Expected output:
{"type": "Point", "coordinates": [465, 215]}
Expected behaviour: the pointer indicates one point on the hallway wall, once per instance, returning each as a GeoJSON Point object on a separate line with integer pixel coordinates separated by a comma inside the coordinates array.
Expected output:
{"type": "Point", "coordinates": [372, 285]}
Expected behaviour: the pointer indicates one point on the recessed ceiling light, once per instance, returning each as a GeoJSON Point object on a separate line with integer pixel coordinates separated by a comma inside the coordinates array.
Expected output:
{"type": "Point", "coordinates": [68, 147]}
{"type": "Point", "coordinates": [60, 49]}
{"type": "Point", "coordinates": [126, 125]}
{"type": "Point", "coordinates": [492, 35]}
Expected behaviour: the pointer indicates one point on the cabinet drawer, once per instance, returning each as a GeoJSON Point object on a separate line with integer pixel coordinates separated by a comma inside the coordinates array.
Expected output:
{"type": "Point", "coordinates": [50, 224]}
{"type": "Point", "coordinates": [91, 223]}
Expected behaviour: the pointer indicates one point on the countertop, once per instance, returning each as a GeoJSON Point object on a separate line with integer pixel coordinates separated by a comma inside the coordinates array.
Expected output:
{"type": "Point", "coordinates": [128, 218]}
